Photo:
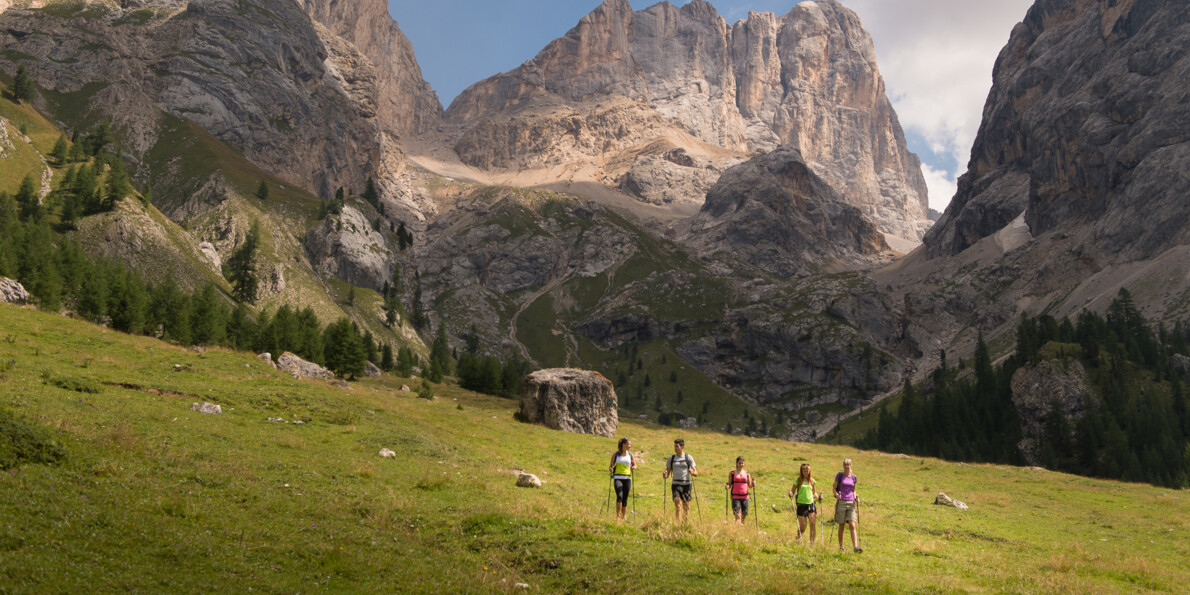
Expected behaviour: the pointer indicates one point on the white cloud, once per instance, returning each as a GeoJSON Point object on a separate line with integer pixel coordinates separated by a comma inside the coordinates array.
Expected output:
{"type": "Point", "coordinates": [941, 186]}
{"type": "Point", "coordinates": [936, 57]}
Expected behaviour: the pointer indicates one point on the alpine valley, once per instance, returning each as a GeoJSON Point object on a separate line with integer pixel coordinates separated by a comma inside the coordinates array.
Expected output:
{"type": "Point", "coordinates": [722, 218]}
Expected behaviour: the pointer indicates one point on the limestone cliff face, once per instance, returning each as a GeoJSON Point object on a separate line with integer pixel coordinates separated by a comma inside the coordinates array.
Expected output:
{"type": "Point", "coordinates": [405, 103]}
{"type": "Point", "coordinates": [1084, 131]}
{"type": "Point", "coordinates": [316, 102]}
{"type": "Point", "coordinates": [807, 79]}
{"type": "Point", "coordinates": [777, 214]}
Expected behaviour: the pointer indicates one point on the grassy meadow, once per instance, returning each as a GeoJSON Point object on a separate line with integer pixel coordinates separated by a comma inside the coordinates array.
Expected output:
{"type": "Point", "coordinates": [153, 497]}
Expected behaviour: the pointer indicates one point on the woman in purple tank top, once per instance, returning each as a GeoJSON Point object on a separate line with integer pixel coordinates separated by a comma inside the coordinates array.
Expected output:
{"type": "Point", "coordinates": [845, 505]}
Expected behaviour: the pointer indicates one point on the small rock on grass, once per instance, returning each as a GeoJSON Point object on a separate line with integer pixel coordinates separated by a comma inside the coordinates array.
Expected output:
{"type": "Point", "coordinates": [388, 454]}
{"type": "Point", "coordinates": [945, 500]}
{"type": "Point", "coordinates": [210, 408]}
{"type": "Point", "coordinates": [528, 480]}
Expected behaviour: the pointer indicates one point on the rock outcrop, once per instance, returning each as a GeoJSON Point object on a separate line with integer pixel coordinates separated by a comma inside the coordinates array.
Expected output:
{"type": "Point", "coordinates": [300, 368]}
{"type": "Point", "coordinates": [570, 400]}
{"type": "Point", "coordinates": [321, 103]}
{"type": "Point", "coordinates": [12, 292]}
{"type": "Point", "coordinates": [1084, 131]}
{"type": "Point", "coordinates": [349, 247]}
{"type": "Point", "coordinates": [777, 214]}
{"type": "Point", "coordinates": [405, 103]}
{"type": "Point", "coordinates": [1035, 390]}
{"type": "Point", "coordinates": [1180, 364]}
{"type": "Point", "coordinates": [623, 80]}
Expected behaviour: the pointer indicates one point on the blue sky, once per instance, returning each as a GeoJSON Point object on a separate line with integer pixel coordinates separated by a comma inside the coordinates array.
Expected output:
{"type": "Point", "coordinates": [936, 56]}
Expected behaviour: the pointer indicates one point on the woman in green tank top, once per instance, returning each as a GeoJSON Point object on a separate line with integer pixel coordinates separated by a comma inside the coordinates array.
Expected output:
{"type": "Point", "coordinates": [805, 493]}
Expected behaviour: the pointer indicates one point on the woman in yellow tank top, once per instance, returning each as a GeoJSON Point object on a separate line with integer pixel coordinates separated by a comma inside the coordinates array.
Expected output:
{"type": "Point", "coordinates": [805, 493]}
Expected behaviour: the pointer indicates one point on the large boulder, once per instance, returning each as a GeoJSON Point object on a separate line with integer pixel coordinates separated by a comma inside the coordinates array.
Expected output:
{"type": "Point", "coordinates": [301, 368]}
{"type": "Point", "coordinates": [12, 292]}
{"type": "Point", "coordinates": [571, 400]}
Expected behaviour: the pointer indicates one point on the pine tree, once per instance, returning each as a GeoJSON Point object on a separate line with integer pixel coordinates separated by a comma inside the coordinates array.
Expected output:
{"type": "Point", "coordinates": [76, 153]}
{"type": "Point", "coordinates": [351, 296]}
{"type": "Point", "coordinates": [343, 349]}
{"type": "Point", "coordinates": [404, 238]}
{"type": "Point", "coordinates": [28, 201]}
{"type": "Point", "coordinates": [22, 85]}
{"type": "Point", "coordinates": [98, 140]}
{"type": "Point", "coordinates": [425, 390]}
{"type": "Point", "coordinates": [405, 362]}
{"type": "Point", "coordinates": [147, 194]}
{"type": "Point", "coordinates": [118, 185]}
{"type": "Point", "coordinates": [262, 191]}
{"type": "Point", "coordinates": [242, 267]}
{"type": "Point", "coordinates": [59, 152]}
{"type": "Point", "coordinates": [371, 194]}
{"type": "Point", "coordinates": [440, 352]}
{"type": "Point", "coordinates": [208, 319]}
{"type": "Point", "coordinates": [386, 358]}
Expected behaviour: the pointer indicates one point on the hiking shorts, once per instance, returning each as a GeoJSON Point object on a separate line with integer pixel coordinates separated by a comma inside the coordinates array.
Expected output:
{"type": "Point", "coordinates": [623, 490]}
{"type": "Point", "coordinates": [806, 509]}
{"type": "Point", "coordinates": [739, 505]}
{"type": "Point", "coordinates": [845, 512]}
{"type": "Point", "coordinates": [680, 491]}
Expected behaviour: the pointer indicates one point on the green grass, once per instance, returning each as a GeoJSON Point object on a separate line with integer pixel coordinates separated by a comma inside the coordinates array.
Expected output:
{"type": "Point", "coordinates": [151, 496]}
{"type": "Point", "coordinates": [193, 156]}
{"type": "Point", "coordinates": [18, 162]}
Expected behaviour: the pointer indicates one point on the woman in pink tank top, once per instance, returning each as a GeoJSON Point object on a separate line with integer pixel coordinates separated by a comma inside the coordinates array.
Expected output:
{"type": "Point", "coordinates": [738, 482]}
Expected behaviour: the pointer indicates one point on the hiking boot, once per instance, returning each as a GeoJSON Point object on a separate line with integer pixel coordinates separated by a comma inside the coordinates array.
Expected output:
{"type": "Point", "coordinates": [859, 550]}
{"type": "Point", "coordinates": [841, 549]}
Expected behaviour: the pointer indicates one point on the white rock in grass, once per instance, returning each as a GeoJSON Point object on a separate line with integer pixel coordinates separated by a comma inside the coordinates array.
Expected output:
{"type": "Point", "coordinates": [12, 292]}
{"type": "Point", "coordinates": [522, 586]}
{"type": "Point", "coordinates": [404, 388]}
{"type": "Point", "coordinates": [528, 480]}
{"type": "Point", "coordinates": [945, 500]}
{"type": "Point", "coordinates": [210, 408]}
{"type": "Point", "coordinates": [388, 454]}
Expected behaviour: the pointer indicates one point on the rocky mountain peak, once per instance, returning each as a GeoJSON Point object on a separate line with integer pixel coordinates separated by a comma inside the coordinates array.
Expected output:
{"type": "Point", "coordinates": [807, 78]}
{"type": "Point", "coordinates": [405, 101]}
{"type": "Point", "coordinates": [1083, 131]}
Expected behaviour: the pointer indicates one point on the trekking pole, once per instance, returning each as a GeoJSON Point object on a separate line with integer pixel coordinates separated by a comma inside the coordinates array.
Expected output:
{"type": "Point", "coordinates": [857, 537]}
{"type": "Point", "coordinates": [697, 506]}
{"type": "Point", "coordinates": [633, 495]}
{"type": "Point", "coordinates": [663, 495]}
{"type": "Point", "coordinates": [607, 499]}
{"type": "Point", "coordinates": [756, 505]}
{"type": "Point", "coordinates": [795, 519]}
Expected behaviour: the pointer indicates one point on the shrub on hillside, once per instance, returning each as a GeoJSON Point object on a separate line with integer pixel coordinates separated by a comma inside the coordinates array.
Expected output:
{"type": "Point", "coordinates": [23, 442]}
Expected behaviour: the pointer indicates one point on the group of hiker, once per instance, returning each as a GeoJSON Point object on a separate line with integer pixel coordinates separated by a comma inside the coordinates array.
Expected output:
{"type": "Point", "coordinates": [739, 488]}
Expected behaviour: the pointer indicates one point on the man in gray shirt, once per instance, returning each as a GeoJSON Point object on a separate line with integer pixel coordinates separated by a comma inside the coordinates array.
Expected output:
{"type": "Point", "coordinates": [682, 467]}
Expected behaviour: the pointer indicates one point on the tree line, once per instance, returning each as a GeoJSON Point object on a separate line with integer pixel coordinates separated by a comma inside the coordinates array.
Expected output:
{"type": "Point", "coordinates": [1136, 427]}
{"type": "Point", "coordinates": [58, 275]}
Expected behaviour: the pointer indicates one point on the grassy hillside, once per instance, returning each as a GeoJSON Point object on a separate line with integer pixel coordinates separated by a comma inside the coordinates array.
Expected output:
{"type": "Point", "coordinates": [152, 496]}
